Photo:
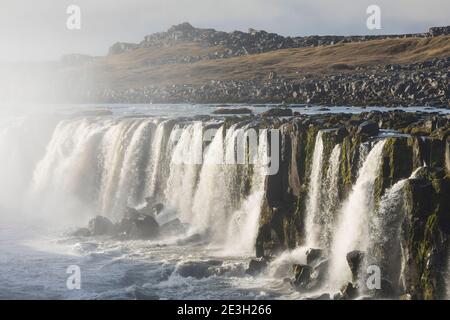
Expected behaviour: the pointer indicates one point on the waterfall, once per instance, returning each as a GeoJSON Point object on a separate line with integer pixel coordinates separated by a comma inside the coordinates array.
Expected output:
{"type": "Point", "coordinates": [184, 168]}
{"type": "Point", "coordinates": [352, 229]}
{"type": "Point", "coordinates": [314, 195]}
{"type": "Point", "coordinates": [385, 228]}
{"type": "Point", "coordinates": [103, 165]}
{"type": "Point", "coordinates": [330, 197]}
{"type": "Point", "coordinates": [243, 225]}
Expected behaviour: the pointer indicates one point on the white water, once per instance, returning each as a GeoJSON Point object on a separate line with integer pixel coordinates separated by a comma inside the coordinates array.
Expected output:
{"type": "Point", "coordinates": [352, 232]}
{"type": "Point", "coordinates": [330, 197]}
{"type": "Point", "coordinates": [312, 226]}
{"type": "Point", "coordinates": [385, 228]}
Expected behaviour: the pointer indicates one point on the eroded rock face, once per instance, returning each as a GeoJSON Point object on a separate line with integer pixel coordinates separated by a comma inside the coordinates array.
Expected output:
{"type": "Point", "coordinates": [421, 140]}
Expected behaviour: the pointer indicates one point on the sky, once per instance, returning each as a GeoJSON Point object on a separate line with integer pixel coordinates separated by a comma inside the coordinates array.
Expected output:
{"type": "Point", "coordinates": [35, 30]}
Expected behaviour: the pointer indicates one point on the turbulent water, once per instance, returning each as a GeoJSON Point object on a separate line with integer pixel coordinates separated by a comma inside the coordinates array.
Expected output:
{"type": "Point", "coordinates": [59, 171]}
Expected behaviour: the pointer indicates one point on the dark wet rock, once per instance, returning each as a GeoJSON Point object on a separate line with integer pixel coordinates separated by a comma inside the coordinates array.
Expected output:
{"type": "Point", "coordinates": [369, 128]}
{"type": "Point", "coordinates": [302, 275]}
{"type": "Point", "coordinates": [158, 208]}
{"type": "Point", "coordinates": [349, 292]}
{"type": "Point", "coordinates": [233, 111]}
{"type": "Point", "coordinates": [278, 112]}
{"type": "Point", "coordinates": [100, 226]}
{"type": "Point", "coordinates": [340, 134]}
{"type": "Point", "coordinates": [198, 269]}
{"type": "Point", "coordinates": [355, 259]}
{"type": "Point", "coordinates": [256, 266]}
{"type": "Point", "coordinates": [320, 272]}
{"type": "Point", "coordinates": [151, 207]}
{"type": "Point", "coordinates": [172, 227]}
{"type": "Point", "coordinates": [313, 256]}
{"type": "Point", "coordinates": [323, 296]}
{"type": "Point", "coordinates": [386, 291]}
{"type": "Point", "coordinates": [136, 225]}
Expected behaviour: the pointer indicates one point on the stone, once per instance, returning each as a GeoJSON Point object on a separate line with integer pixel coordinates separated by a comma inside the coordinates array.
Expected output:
{"type": "Point", "coordinates": [278, 112]}
{"type": "Point", "coordinates": [136, 225]}
{"type": "Point", "coordinates": [323, 296]}
{"type": "Point", "coordinates": [256, 266]}
{"type": "Point", "coordinates": [197, 269]}
{"type": "Point", "coordinates": [369, 128]}
{"type": "Point", "coordinates": [100, 226]}
{"type": "Point", "coordinates": [313, 255]}
{"type": "Point", "coordinates": [302, 275]}
{"type": "Point", "coordinates": [233, 111]}
{"type": "Point", "coordinates": [355, 260]}
{"type": "Point", "coordinates": [348, 292]}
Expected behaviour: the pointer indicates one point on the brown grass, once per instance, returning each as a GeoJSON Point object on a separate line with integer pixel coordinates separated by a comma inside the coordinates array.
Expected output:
{"type": "Point", "coordinates": [135, 69]}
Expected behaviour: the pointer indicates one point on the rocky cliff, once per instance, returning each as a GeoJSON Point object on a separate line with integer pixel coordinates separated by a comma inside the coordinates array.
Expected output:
{"type": "Point", "coordinates": [410, 197]}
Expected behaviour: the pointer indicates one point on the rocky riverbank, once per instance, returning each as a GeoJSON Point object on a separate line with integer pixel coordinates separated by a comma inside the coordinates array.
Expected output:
{"type": "Point", "coordinates": [419, 84]}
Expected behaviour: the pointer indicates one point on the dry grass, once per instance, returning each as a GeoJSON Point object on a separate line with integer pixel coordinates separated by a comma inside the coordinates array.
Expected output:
{"type": "Point", "coordinates": [135, 69]}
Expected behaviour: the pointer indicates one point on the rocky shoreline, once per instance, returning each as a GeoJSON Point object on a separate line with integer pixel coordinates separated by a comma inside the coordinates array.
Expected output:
{"type": "Point", "coordinates": [420, 84]}
{"type": "Point", "coordinates": [186, 65]}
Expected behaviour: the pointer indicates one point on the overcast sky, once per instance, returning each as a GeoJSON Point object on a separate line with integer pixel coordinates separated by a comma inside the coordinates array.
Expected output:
{"type": "Point", "coordinates": [36, 29]}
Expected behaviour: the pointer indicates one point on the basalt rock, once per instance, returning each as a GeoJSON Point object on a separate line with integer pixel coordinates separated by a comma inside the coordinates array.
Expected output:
{"type": "Point", "coordinates": [355, 259]}
{"type": "Point", "coordinates": [313, 256]}
{"type": "Point", "coordinates": [278, 112]}
{"type": "Point", "coordinates": [100, 226]}
{"type": "Point", "coordinates": [136, 225]}
{"type": "Point", "coordinates": [233, 111]}
{"type": "Point", "coordinates": [256, 266]}
{"type": "Point", "coordinates": [369, 128]}
{"type": "Point", "coordinates": [348, 292]}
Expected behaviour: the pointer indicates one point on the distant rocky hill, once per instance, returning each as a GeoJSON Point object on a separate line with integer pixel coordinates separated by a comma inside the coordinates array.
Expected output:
{"type": "Point", "coordinates": [238, 43]}
{"type": "Point", "coordinates": [187, 64]}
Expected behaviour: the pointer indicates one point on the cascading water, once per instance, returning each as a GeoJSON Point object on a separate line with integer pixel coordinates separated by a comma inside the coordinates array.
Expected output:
{"type": "Point", "coordinates": [330, 197]}
{"type": "Point", "coordinates": [104, 165]}
{"type": "Point", "coordinates": [314, 195]}
{"type": "Point", "coordinates": [385, 227]}
{"type": "Point", "coordinates": [243, 227]}
{"type": "Point", "coordinates": [352, 228]}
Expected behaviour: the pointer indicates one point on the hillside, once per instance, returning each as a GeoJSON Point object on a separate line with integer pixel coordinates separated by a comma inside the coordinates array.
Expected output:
{"type": "Point", "coordinates": [186, 64]}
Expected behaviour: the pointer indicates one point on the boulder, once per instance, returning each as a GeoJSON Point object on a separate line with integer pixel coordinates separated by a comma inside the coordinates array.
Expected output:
{"type": "Point", "coordinates": [369, 128]}
{"type": "Point", "coordinates": [323, 296]}
{"type": "Point", "coordinates": [256, 266]}
{"type": "Point", "coordinates": [197, 269]}
{"type": "Point", "coordinates": [354, 260]}
{"type": "Point", "coordinates": [100, 226]}
{"type": "Point", "coordinates": [136, 225]}
{"type": "Point", "coordinates": [232, 111]}
{"type": "Point", "coordinates": [302, 275]}
{"type": "Point", "coordinates": [313, 256]}
{"type": "Point", "coordinates": [278, 112]}
{"type": "Point", "coordinates": [348, 292]}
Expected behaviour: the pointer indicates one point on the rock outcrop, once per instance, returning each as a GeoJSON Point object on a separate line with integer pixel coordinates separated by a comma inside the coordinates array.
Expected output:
{"type": "Point", "coordinates": [412, 262]}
